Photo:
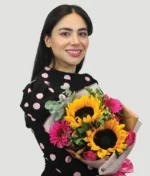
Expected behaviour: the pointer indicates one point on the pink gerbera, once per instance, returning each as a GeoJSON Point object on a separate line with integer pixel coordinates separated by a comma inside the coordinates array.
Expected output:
{"type": "Point", "coordinates": [58, 133]}
{"type": "Point", "coordinates": [113, 104]}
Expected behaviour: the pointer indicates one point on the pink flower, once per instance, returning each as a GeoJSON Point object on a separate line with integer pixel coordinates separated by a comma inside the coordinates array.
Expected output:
{"type": "Point", "coordinates": [127, 167]}
{"type": "Point", "coordinates": [58, 133]}
{"type": "Point", "coordinates": [130, 138]}
{"type": "Point", "coordinates": [117, 118]}
{"type": "Point", "coordinates": [89, 155]}
{"type": "Point", "coordinates": [113, 104]}
{"type": "Point", "coordinates": [119, 174]}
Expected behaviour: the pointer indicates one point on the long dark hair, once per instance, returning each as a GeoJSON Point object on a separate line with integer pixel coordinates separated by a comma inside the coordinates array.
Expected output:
{"type": "Point", "coordinates": [44, 55]}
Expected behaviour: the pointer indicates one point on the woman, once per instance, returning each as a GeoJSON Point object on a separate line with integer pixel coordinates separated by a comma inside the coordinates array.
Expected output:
{"type": "Point", "coordinates": [60, 56]}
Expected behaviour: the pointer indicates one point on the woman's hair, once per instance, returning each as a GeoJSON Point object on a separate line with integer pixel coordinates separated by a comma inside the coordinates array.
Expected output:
{"type": "Point", "coordinates": [44, 55]}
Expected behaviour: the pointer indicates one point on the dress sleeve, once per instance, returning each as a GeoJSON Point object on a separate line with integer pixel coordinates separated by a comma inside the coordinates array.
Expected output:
{"type": "Point", "coordinates": [35, 95]}
{"type": "Point", "coordinates": [92, 80]}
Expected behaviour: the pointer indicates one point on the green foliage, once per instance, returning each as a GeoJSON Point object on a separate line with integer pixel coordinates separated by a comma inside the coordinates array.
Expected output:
{"type": "Point", "coordinates": [57, 108]}
{"type": "Point", "coordinates": [84, 128]}
{"type": "Point", "coordinates": [100, 121]}
{"type": "Point", "coordinates": [78, 141]}
{"type": "Point", "coordinates": [97, 93]}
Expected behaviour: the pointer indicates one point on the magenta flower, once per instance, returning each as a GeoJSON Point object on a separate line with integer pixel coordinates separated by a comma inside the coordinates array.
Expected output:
{"type": "Point", "coordinates": [117, 118]}
{"type": "Point", "coordinates": [58, 133]}
{"type": "Point", "coordinates": [130, 138]}
{"type": "Point", "coordinates": [127, 167]}
{"type": "Point", "coordinates": [113, 104]}
{"type": "Point", "coordinates": [119, 174]}
{"type": "Point", "coordinates": [89, 155]}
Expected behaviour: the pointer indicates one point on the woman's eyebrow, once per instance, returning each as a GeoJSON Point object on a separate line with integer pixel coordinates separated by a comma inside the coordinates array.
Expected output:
{"type": "Point", "coordinates": [69, 29]}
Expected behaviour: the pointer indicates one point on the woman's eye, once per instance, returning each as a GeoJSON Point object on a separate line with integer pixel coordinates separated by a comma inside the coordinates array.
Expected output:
{"type": "Point", "coordinates": [84, 34]}
{"type": "Point", "coordinates": [65, 34]}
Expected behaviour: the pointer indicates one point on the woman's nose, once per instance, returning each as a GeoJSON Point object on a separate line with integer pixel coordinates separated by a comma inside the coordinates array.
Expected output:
{"type": "Point", "coordinates": [75, 39]}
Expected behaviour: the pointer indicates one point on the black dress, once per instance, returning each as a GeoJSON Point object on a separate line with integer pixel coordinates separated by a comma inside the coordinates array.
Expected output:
{"type": "Point", "coordinates": [46, 87]}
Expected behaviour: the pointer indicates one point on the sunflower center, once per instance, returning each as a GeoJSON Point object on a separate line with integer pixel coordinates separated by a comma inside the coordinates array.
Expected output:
{"type": "Point", "coordinates": [105, 139]}
{"type": "Point", "coordinates": [83, 112]}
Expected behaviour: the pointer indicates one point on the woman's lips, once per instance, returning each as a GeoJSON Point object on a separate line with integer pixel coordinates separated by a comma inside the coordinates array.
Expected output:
{"type": "Point", "coordinates": [74, 53]}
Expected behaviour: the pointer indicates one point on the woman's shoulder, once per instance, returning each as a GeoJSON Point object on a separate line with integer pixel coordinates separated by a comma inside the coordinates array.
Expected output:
{"type": "Point", "coordinates": [35, 94]}
{"type": "Point", "coordinates": [40, 81]}
{"type": "Point", "coordinates": [89, 77]}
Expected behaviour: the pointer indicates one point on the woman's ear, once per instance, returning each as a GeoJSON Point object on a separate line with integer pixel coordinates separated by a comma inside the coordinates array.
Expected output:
{"type": "Point", "coordinates": [47, 41]}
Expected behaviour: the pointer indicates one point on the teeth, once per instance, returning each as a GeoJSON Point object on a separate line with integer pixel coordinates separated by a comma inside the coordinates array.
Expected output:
{"type": "Point", "coordinates": [74, 52]}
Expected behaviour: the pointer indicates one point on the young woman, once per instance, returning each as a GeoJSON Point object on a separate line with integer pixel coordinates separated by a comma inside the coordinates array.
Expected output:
{"type": "Point", "coordinates": [61, 52]}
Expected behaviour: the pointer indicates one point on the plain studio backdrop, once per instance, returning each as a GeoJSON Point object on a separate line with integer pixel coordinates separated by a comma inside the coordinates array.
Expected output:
{"type": "Point", "coordinates": [118, 58]}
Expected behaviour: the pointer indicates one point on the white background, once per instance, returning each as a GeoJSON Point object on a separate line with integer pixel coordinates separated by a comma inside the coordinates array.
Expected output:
{"type": "Point", "coordinates": [117, 57]}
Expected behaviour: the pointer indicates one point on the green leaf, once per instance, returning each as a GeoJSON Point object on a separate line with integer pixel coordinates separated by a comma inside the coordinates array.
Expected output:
{"type": "Point", "coordinates": [117, 154]}
{"type": "Point", "coordinates": [101, 118]}
{"type": "Point", "coordinates": [61, 112]}
{"type": "Point", "coordinates": [56, 107]}
{"type": "Point", "coordinates": [48, 105]}
{"type": "Point", "coordinates": [68, 93]}
{"type": "Point", "coordinates": [78, 141]}
{"type": "Point", "coordinates": [52, 112]}
{"type": "Point", "coordinates": [81, 130]}
{"type": "Point", "coordinates": [84, 127]}
{"type": "Point", "coordinates": [101, 121]}
{"type": "Point", "coordinates": [102, 101]}
{"type": "Point", "coordinates": [57, 118]}
{"type": "Point", "coordinates": [67, 100]}
{"type": "Point", "coordinates": [61, 98]}
{"type": "Point", "coordinates": [99, 93]}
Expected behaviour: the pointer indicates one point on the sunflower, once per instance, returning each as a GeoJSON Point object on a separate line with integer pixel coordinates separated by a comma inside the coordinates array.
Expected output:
{"type": "Point", "coordinates": [108, 140]}
{"type": "Point", "coordinates": [86, 109]}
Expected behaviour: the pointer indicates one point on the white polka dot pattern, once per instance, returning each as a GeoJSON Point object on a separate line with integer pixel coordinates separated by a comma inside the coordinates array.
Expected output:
{"type": "Point", "coordinates": [68, 159]}
{"type": "Point", "coordinates": [67, 77]}
{"type": "Point", "coordinates": [26, 104]}
{"type": "Point", "coordinates": [47, 68]}
{"type": "Point", "coordinates": [87, 78]}
{"type": "Point", "coordinates": [51, 90]}
{"type": "Point", "coordinates": [77, 174]}
{"type": "Point", "coordinates": [47, 83]}
{"type": "Point", "coordinates": [36, 106]}
{"type": "Point", "coordinates": [58, 170]}
{"type": "Point", "coordinates": [29, 115]}
{"type": "Point", "coordinates": [33, 119]}
{"type": "Point", "coordinates": [52, 157]}
{"type": "Point", "coordinates": [29, 90]}
{"type": "Point", "coordinates": [44, 75]}
{"type": "Point", "coordinates": [42, 146]}
{"type": "Point", "coordinates": [39, 96]}
{"type": "Point", "coordinates": [66, 85]}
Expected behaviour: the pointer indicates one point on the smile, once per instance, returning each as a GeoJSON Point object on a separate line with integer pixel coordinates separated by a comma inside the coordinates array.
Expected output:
{"type": "Point", "coordinates": [74, 53]}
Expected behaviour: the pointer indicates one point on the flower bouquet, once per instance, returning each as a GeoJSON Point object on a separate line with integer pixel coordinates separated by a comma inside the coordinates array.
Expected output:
{"type": "Point", "coordinates": [94, 128]}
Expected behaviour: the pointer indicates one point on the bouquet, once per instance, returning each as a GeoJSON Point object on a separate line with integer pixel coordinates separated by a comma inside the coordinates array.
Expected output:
{"type": "Point", "coordinates": [94, 128]}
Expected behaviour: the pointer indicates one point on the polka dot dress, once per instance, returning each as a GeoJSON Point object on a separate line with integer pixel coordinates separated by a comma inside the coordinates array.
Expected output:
{"type": "Point", "coordinates": [48, 86]}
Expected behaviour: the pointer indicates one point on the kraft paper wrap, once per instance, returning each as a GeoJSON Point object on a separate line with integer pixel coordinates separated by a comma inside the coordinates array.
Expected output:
{"type": "Point", "coordinates": [129, 118]}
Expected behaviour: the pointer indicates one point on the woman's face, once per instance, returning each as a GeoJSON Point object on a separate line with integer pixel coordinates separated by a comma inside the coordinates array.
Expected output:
{"type": "Point", "coordinates": [69, 42]}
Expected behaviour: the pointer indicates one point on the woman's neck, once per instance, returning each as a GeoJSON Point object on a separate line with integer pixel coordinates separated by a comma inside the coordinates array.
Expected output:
{"type": "Point", "coordinates": [63, 69]}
